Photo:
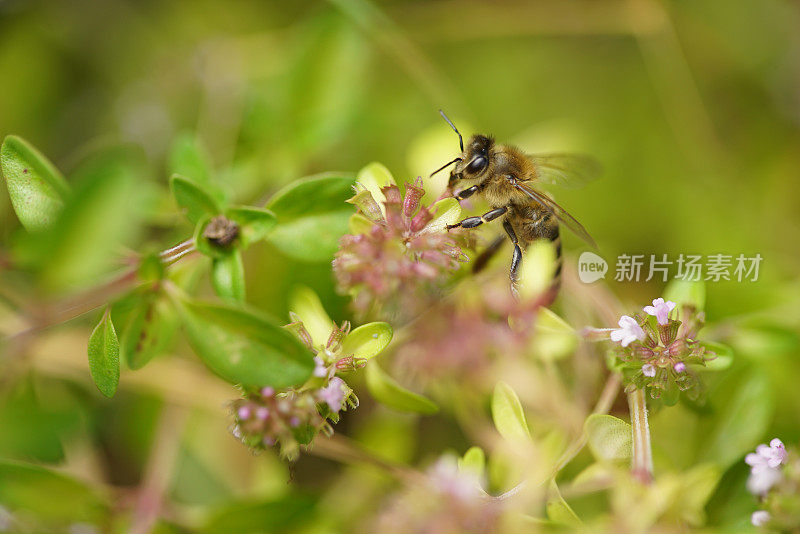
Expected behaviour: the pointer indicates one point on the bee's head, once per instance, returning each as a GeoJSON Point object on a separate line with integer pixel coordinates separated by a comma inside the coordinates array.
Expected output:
{"type": "Point", "coordinates": [474, 159]}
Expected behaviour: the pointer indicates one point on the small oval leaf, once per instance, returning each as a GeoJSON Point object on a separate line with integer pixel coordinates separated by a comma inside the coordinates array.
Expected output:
{"type": "Point", "coordinates": [536, 273]}
{"type": "Point", "coordinates": [473, 462]}
{"type": "Point", "coordinates": [242, 346]}
{"type": "Point", "coordinates": [558, 511]}
{"type": "Point", "coordinates": [554, 339]}
{"type": "Point", "coordinates": [609, 437]}
{"type": "Point", "coordinates": [255, 224]}
{"type": "Point", "coordinates": [367, 341]}
{"type": "Point", "coordinates": [306, 305]}
{"type": "Point", "coordinates": [148, 332]}
{"type": "Point", "coordinates": [507, 414]}
{"type": "Point", "coordinates": [189, 196]}
{"type": "Point", "coordinates": [686, 293]}
{"type": "Point", "coordinates": [312, 216]}
{"type": "Point", "coordinates": [227, 276]}
{"type": "Point", "coordinates": [723, 358]}
{"type": "Point", "coordinates": [446, 211]}
{"type": "Point", "coordinates": [36, 188]}
{"type": "Point", "coordinates": [104, 356]}
{"type": "Point", "coordinates": [373, 177]}
{"type": "Point", "coordinates": [388, 392]}
{"type": "Point", "coordinates": [188, 157]}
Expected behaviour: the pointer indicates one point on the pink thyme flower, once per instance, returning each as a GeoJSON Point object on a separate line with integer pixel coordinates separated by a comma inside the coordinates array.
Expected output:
{"type": "Point", "coordinates": [393, 263]}
{"type": "Point", "coordinates": [765, 466]}
{"type": "Point", "coordinates": [679, 367]}
{"type": "Point", "coordinates": [770, 456]}
{"type": "Point", "coordinates": [333, 394]}
{"type": "Point", "coordinates": [320, 369]}
{"type": "Point", "coordinates": [660, 309]}
{"type": "Point", "coordinates": [649, 370]}
{"type": "Point", "coordinates": [628, 332]}
{"type": "Point", "coordinates": [760, 518]}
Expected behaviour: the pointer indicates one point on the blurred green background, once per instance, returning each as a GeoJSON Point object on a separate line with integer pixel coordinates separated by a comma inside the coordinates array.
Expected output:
{"type": "Point", "coordinates": [693, 109]}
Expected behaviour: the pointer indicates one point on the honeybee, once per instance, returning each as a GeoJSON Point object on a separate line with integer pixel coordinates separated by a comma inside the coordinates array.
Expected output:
{"type": "Point", "coordinates": [506, 177]}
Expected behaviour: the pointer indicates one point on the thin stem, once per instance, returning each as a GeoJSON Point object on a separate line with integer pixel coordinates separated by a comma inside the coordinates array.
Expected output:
{"type": "Point", "coordinates": [159, 470]}
{"type": "Point", "coordinates": [343, 450]}
{"type": "Point", "coordinates": [642, 459]}
{"type": "Point", "coordinates": [177, 248]}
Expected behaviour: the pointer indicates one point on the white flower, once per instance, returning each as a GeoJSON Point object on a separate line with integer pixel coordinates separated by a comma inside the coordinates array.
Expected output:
{"type": "Point", "coordinates": [660, 309]}
{"type": "Point", "coordinates": [761, 480]}
{"type": "Point", "coordinates": [333, 394]}
{"type": "Point", "coordinates": [760, 518]}
{"type": "Point", "coordinates": [320, 369]}
{"type": "Point", "coordinates": [649, 369]}
{"type": "Point", "coordinates": [628, 332]}
{"type": "Point", "coordinates": [775, 454]}
{"type": "Point", "coordinates": [765, 466]}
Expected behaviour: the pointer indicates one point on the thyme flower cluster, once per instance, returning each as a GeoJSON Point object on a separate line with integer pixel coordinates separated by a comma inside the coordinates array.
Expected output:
{"type": "Point", "coordinates": [293, 417]}
{"type": "Point", "coordinates": [657, 352]}
{"type": "Point", "coordinates": [458, 337]}
{"type": "Point", "coordinates": [775, 480]}
{"type": "Point", "coordinates": [397, 252]}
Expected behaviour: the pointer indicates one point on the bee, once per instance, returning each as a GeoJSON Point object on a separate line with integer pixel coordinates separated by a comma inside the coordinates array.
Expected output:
{"type": "Point", "coordinates": [505, 176]}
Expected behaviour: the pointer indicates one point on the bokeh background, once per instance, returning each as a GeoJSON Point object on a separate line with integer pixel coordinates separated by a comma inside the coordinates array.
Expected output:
{"type": "Point", "coordinates": [693, 109]}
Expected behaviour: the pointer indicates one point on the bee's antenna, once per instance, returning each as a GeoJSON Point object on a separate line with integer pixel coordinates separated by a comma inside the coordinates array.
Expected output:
{"type": "Point", "coordinates": [453, 126]}
{"type": "Point", "coordinates": [445, 166]}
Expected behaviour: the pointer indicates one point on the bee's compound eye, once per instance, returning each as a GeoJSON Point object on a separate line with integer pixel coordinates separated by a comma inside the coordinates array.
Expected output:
{"type": "Point", "coordinates": [477, 165]}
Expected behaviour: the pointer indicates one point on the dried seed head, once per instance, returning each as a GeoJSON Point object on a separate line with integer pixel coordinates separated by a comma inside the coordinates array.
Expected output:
{"type": "Point", "coordinates": [221, 231]}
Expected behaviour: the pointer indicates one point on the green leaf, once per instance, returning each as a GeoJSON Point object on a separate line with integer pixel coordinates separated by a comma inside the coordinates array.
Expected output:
{"type": "Point", "coordinates": [536, 272]}
{"type": "Point", "coordinates": [242, 346]}
{"type": "Point", "coordinates": [306, 305]}
{"type": "Point", "coordinates": [723, 359]}
{"type": "Point", "coordinates": [446, 211]}
{"type": "Point", "coordinates": [388, 392]}
{"type": "Point", "coordinates": [609, 437]}
{"type": "Point", "coordinates": [190, 197]}
{"type": "Point", "coordinates": [98, 220]}
{"type": "Point", "coordinates": [312, 215]}
{"type": "Point", "coordinates": [507, 414]}
{"type": "Point", "coordinates": [367, 341]}
{"type": "Point", "coordinates": [104, 356]}
{"type": "Point", "coordinates": [473, 461]}
{"type": "Point", "coordinates": [553, 339]}
{"type": "Point", "coordinates": [558, 511]}
{"type": "Point", "coordinates": [743, 412]}
{"type": "Point", "coordinates": [686, 293]}
{"type": "Point", "coordinates": [698, 486]}
{"type": "Point", "coordinates": [23, 487]}
{"type": "Point", "coordinates": [148, 332]}
{"type": "Point", "coordinates": [358, 224]}
{"type": "Point", "coordinates": [255, 224]}
{"type": "Point", "coordinates": [227, 276]}
{"type": "Point", "coordinates": [373, 177]}
{"type": "Point", "coordinates": [188, 158]}
{"type": "Point", "coordinates": [285, 515]}
{"type": "Point", "coordinates": [36, 188]}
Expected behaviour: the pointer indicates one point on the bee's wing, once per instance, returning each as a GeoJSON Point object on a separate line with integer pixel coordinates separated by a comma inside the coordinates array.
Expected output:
{"type": "Point", "coordinates": [558, 212]}
{"type": "Point", "coordinates": [570, 171]}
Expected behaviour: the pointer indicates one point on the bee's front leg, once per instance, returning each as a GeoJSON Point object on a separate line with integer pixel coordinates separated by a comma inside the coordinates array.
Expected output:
{"type": "Point", "coordinates": [466, 193]}
{"type": "Point", "coordinates": [472, 222]}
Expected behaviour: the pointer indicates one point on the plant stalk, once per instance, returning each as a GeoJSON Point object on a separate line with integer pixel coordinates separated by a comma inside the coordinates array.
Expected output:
{"type": "Point", "coordinates": [642, 457]}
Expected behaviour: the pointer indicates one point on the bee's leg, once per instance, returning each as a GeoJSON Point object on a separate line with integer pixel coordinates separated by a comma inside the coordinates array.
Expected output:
{"type": "Point", "coordinates": [483, 258]}
{"type": "Point", "coordinates": [472, 222]}
{"type": "Point", "coordinates": [466, 193]}
{"type": "Point", "coordinates": [516, 259]}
